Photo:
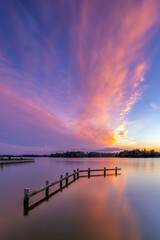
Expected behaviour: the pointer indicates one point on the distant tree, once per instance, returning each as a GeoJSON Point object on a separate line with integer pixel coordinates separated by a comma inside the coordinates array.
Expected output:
{"type": "Point", "coordinates": [152, 153]}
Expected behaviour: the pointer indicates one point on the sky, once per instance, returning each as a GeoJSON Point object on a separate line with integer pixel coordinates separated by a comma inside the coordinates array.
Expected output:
{"type": "Point", "coordinates": [79, 75]}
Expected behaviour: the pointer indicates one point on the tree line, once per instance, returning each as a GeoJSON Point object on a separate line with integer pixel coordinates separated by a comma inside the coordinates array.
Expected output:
{"type": "Point", "coordinates": [79, 154]}
{"type": "Point", "coordinates": [135, 153]}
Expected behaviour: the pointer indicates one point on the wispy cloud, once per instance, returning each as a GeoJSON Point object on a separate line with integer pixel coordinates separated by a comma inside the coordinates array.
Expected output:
{"type": "Point", "coordinates": [154, 105]}
{"type": "Point", "coordinates": [76, 70]}
{"type": "Point", "coordinates": [110, 55]}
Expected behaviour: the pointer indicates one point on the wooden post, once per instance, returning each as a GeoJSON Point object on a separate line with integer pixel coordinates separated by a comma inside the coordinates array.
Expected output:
{"type": "Point", "coordinates": [88, 172]}
{"type": "Point", "coordinates": [77, 173]}
{"type": "Point", "coordinates": [66, 178]}
{"type": "Point", "coordinates": [26, 197]}
{"type": "Point", "coordinates": [115, 170]}
{"type": "Point", "coordinates": [25, 211]}
{"type": "Point", "coordinates": [74, 176]}
{"type": "Point", "coordinates": [47, 189]}
{"type": "Point", "coordinates": [104, 171]}
{"type": "Point", "coordinates": [61, 182]}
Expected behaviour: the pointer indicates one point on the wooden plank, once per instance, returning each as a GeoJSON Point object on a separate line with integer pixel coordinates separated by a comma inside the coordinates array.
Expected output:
{"type": "Point", "coordinates": [70, 175]}
{"type": "Point", "coordinates": [67, 176]}
{"type": "Point", "coordinates": [44, 188]}
{"type": "Point", "coordinates": [50, 185]}
{"type": "Point", "coordinates": [96, 170]}
{"type": "Point", "coordinates": [16, 161]}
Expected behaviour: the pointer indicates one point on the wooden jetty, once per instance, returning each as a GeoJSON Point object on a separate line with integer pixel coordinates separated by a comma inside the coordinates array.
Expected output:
{"type": "Point", "coordinates": [10, 161]}
{"type": "Point", "coordinates": [64, 179]}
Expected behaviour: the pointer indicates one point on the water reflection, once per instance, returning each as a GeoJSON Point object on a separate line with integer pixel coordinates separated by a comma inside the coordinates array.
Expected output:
{"type": "Point", "coordinates": [108, 211]}
{"type": "Point", "coordinates": [28, 208]}
{"type": "Point", "coordinates": [123, 207]}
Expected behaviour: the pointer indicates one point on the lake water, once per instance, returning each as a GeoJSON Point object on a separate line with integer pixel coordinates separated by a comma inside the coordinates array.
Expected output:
{"type": "Point", "coordinates": [124, 207]}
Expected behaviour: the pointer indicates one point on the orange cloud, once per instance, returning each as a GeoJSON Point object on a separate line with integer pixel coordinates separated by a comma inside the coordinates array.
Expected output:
{"type": "Point", "coordinates": [109, 51]}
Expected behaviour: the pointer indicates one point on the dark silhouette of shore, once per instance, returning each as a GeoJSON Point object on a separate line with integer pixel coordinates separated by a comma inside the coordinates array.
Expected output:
{"type": "Point", "coordinates": [135, 153]}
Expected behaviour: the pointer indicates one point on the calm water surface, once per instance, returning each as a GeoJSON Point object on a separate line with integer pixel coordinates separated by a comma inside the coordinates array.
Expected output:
{"type": "Point", "coordinates": [126, 206]}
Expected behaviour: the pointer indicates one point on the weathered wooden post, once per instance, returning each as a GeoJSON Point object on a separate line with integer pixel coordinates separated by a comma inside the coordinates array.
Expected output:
{"type": "Point", "coordinates": [115, 170]}
{"type": "Point", "coordinates": [26, 197]}
{"type": "Point", "coordinates": [74, 176]}
{"type": "Point", "coordinates": [104, 171]}
{"type": "Point", "coordinates": [47, 189]}
{"type": "Point", "coordinates": [66, 178]}
{"type": "Point", "coordinates": [89, 172]}
{"type": "Point", "coordinates": [25, 211]}
{"type": "Point", "coordinates": [77, 173]}
{"type": "Point", "coordinates": [61, 182]}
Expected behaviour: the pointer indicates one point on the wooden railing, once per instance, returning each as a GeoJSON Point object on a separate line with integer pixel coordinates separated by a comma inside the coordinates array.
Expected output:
{"type": "Point", "coordinates": [75, 175]}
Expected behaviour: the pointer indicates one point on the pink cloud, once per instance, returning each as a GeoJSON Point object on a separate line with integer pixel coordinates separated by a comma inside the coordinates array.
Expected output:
{"type": "Point", "coordinates": [111, 60]}
{"type": "Point", "coordinates": [86, 101]}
